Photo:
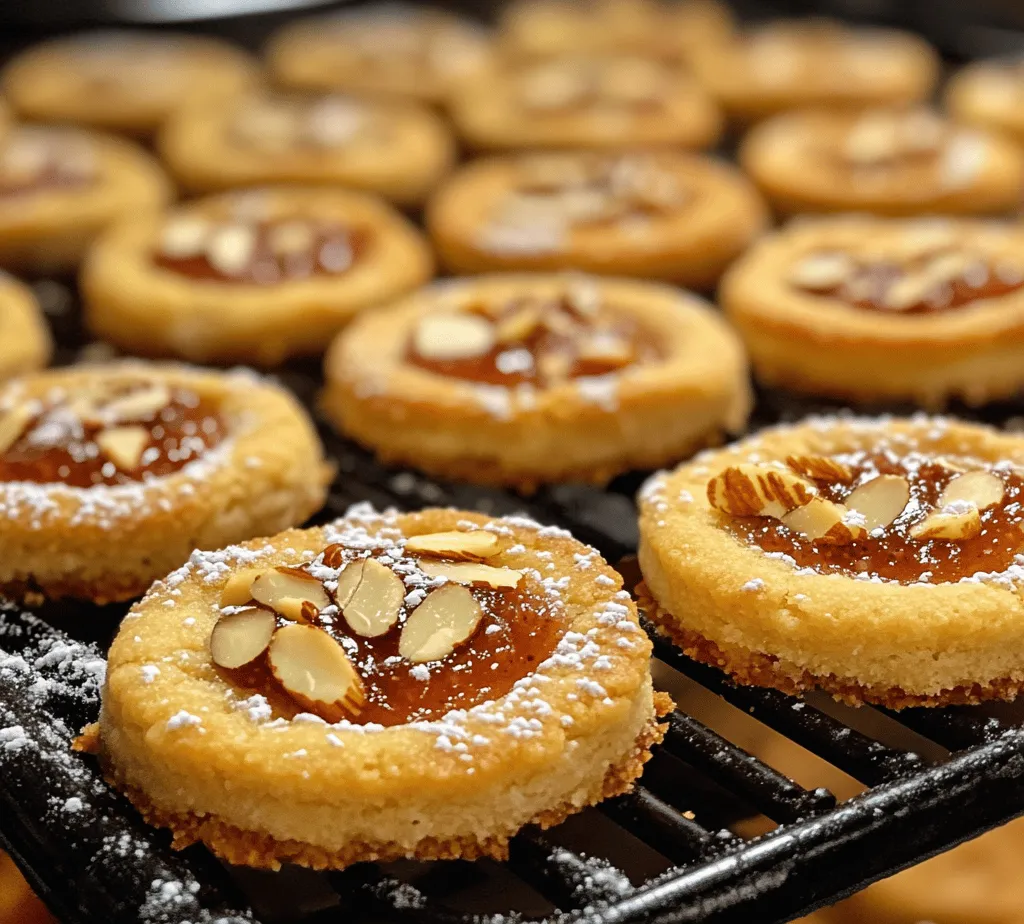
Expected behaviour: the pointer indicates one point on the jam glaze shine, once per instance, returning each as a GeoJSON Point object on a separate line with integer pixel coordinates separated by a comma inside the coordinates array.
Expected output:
{"type": "Point", "coordinates": [890, 553]}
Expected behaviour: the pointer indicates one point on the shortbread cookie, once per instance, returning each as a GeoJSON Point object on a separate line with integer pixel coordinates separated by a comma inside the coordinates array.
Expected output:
{"type": "Point", "coordinates": [388, 49]}
{"type": "Point", "coordinates": [672, 30]}
{"type": "Point", "coordinates": [59, 188]}
{"type": "Point", "coordinates": [111, 475]}
{"type": "Point", "coordinates": [399, 150]}
{"type": "Point", "coordinates": [585, 101]}
{"type": "Point", "coordinates": [990, 94]}
{"type": "Point", "coordinates": [25, 343]}
{"type": "Point", "coordinates": [526, 379]}
{"type": "Point", "coordinates": [254, 276]}
{"type": "Point", "coordinates": [886, 161]}
{"type": "Point", "coordinates": [869, 309]}
{"type": "Point", "coordinates": [387, 686]}
{"type": "Point", "coordinates": [880, 560]}
{"type": "Point", "coordinates": [660, 215]}
{"type": "Point", "coordinates": [794, 63]}
{"type": "Point", "coordinates": [122, 80]}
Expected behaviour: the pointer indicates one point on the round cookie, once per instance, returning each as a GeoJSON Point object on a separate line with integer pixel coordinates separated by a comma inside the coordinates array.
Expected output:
{"type": "Point", "coordinates": [661, 215]}
{"type": "Point", "coordinates": [673, 31]}
{"type": "Point", "coordinates": [399, 150]}
{"type": "Point", "coordinates": [990, 94]}
{"type": "Point", "coordinates": [526, 379]}
{"type": "Point", "coordinates": [25, 342]}
{"type": "Point", "coordinates": [885, 161]}
{"type": "Point", "coordinates": [877, 559]}
{"type": "Point", "coordinates": [864, 309]}
{"type": "Point", "coordinates": [111, 475]}
{"type": "Point", "coordinates": [585, 101]}
{"type": "Point", "coordinates": [388, 49]}
{"type": "Point", "coordinates": [123, 81]}
{"type": "Point", "coordinates": [794, 63]}
{"type": "Point", "coordinates": [451, 679]}
{"type": "Point", "coordinates": [253, 276]}
{"type": "Point", "coordinates": [60, 188]}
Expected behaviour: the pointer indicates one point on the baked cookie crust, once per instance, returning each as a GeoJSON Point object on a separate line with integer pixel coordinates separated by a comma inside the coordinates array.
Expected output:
{"type": "Point", "coordinates": [25, 342]}
{"type": "Point", "coordinates": [261, 789]}
{"type": "Point", "coordinates": [768, 622]}
{"type": "Point", "coordinates": [665, 215]}
{"type": "Point", "coordinates": [806, 330]}
{"type": "Point", "coordinates": [989, 94]}
{"type": "Point", "coordinates": [588, 429]}
{"type": "Point", "coordinates": [109, 541]}
{"type": "Point", "coordinates": [148, 308]}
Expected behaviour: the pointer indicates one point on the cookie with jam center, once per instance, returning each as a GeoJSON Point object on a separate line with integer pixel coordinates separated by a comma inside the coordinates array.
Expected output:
{"type": "Point", "coordinates": [527, 379]}
{"type": "Point", "coordinates": [794, 63]}
{"type": "Point", "coordinates": [253, 276]}
{"type": "Point", "coordinates": [25, 342]}
{"type": "Point", "coordinates": [61, 187]}
{"type": "Point", "coordinates": [896, 162]}
{"type": "Point", "coordinates": [658, 215]}
{"type": "Point", "coordinates": [600, 101]}
{"type": "Point", "coordinates": [884, 310]}
{"type": "Point", "coordinates": [122, 80]}
{"type": "Point", "coordinates": [386, 49]}
{"type": "Point", "coordinates": [990, 93]}
{"type": "Point", "coordinates": [386, 686]}
{"type": "Point", "coordinates": [879, 560]}
{"type": "Point", "coordinates": [111, 474]}
{"type": "Point", "coordinates": [398, 149]}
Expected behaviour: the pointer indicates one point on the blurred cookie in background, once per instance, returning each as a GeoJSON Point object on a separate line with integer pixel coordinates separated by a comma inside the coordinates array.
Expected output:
{"type": "Point", "coordinates": [122, 80]}
{"type": "Point", "coordinates": [25, 342]}
{"type": "Point", "coordinates": [391, 49]}
{"type": "Point", "coordinates": [990, 94]}
{"type": "Point", "coordinates": [18, 904]}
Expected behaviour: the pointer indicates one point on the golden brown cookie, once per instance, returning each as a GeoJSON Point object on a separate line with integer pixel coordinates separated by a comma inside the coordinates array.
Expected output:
{"type": "Point", "coordinates": [863, 309]}
{"type": "Point", "coordinates": [886, 161]}
{"type": "Point", "coordinates": [252, 276]}
{"type": "Point", "coordinates": [60, 188]}
{"type": "Point", "coordinates": [387, 686]}
{"type": "Point", "coordinates": [793, 63]}
{"type": "Point", "coordinates": [877, 559]}
{"type": "Point", "coordinates": [399, 150]}
{"type": "Point", "coordinates": [111, 474]}
{"type": "Point", "coordinates": [612, 101]}
{"type": "Point", "coordinates": [388, 49]}
{"type": "Point", "coordinates": [526, 379]}
{"type": "Point", "coordinates": [25, 343]}
{"type": "Point", "coordinates": [658, 215]}
{"type": "Point", "coordinates": [990, 94]}
{"type": "Point", "coordinates": [122, 80]}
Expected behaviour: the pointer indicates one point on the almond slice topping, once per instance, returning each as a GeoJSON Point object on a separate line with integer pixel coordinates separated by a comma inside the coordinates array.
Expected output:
{"type": "Point", "coordinates": [123, 445]}
{"type": "Point", "coordinates": [880, 500]}
{"type": "Point", "coordinates": [315, 671]}
{"type": "Point", "coordinates": [375, 600]}
{"type": "Point", "coordinates": [240, 638]}
{"type": "Point", "coordinates": [471, 573]}
{"type": "Point", "coordinates": [184, 237]}
{"type": "Point", "coordinates": [750, 490]}
{"type": "Point", "coordinates": [520, 325]}
{"type": "Point", "coordinates": [285, 590]}
{"type": "Point", "coordinates": [820, 468]}
{"type": "Point", "coordinates": [822, 521]}
{"type": "Point", "coordinates": [453, 336]}
{"type": "Point", "coordinates": [959, 520]}
{"type": "Point", "coordinates": [820, 272]}
{"type": "Point", "coordinates": [238, 589]}
{"type": "Point", "coordinates": [982, 489]}
{"type": "Point", "coordinates": [13, 424]}
{"type": "Point", "coordinates": [136, 405]}
{"type": "Point", "coordinates": [348, 581]}
{"type": "Point", "coordinates": [605, 348]}
{"type": "Point", "coordinates": [231, 248]}
{"type": "Point", "coordinates": [443, 621]}
{"type": "Point", "coordinates": [464, 545]}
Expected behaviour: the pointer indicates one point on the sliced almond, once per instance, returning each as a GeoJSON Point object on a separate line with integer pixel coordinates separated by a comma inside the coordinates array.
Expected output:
{"type": "Point", "coordinates": [348, 581]}
{"type": "Point", "coordinates": [443, 621]}
{"type": "Point", "coordinates": [820, 468]}
{"type": "Point", "coordinates": [315, 671]}
{"type": "Point", "coordinates": [13, 424]}
{"type": "Point", "coordinates": [554, 366]}
{"type": "Point", "coordinates": [519, 325]}
{"type": "Point", "coordinates": [750, 490]}
{"type": "Point", "coordinates": [880, 500]}
{"type": "Point", "coordinates": [376, 600]}
{"type": "Point", "coordinates": [123, 445]}
{"type": "Point", "coordinates": [184, 237]}
{"type": "Point", "coordinates": [909, 290]}
{"type": "Point", "coordinates": [230, 249]}
{"type": "Point", "coordinates": [240, 638]}
{"type": "Point", "coordinates": [471, 573]}
{"type": "Point", "coordinates": [822, 521]}
{"type": "Point", "coordinates": [982, 489]}
{"type": "Point", "coordinates": [238, 590]}
{"type": "Point", "coordinates": [453, 336]}
{"type": "Point", "coordinates": [820, 272]}
{"type": "Point", "coordinates": [468, 545]}
{"type": "Point", "coordinates": [285, 590]}
{"type": "Point", "coordinates": [958, 521]}
{"type": "Point", "coordinates": [291, 237]}
{"type": "Point", "coordinates": [608, 349]}
{"type": "Point", "coordinates": [141, 404]}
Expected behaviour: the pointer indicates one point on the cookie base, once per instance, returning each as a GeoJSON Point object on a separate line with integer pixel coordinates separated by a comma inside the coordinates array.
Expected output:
{"type": "Point", "coordinates": [758, 669]}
